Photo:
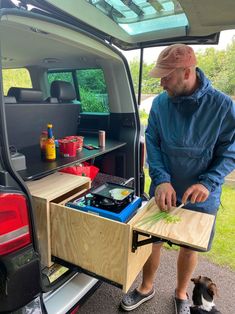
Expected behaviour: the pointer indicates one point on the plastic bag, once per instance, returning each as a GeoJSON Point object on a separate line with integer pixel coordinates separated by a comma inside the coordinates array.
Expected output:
{"type": "Point", "coordinates": [85, 169]}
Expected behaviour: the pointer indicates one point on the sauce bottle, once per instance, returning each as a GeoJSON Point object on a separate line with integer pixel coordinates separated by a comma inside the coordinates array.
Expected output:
{"type": "Point", "coordinates": [43, 139]}
{"type": "Point", "coordinates": [50, 144]}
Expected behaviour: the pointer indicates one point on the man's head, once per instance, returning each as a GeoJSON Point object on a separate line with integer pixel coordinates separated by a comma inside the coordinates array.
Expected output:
{"type": "Point", "coordinates": [176, 68]}
{"type": "Point", "coordinates": [172, 58]}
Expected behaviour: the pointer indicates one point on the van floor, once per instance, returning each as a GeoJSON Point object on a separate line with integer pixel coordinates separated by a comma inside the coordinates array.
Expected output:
{"type": "Point", "coordinates": [107, 298]}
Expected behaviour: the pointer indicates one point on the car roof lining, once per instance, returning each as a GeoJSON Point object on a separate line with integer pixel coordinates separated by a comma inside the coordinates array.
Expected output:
{"type": "Point", "coordinates": [26, 42]}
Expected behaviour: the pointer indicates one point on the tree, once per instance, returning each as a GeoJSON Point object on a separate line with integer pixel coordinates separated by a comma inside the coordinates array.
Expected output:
{"type": "Point", "coordinates": [149, 85]}
{"type": "Point", "coordinates": [218, 65]}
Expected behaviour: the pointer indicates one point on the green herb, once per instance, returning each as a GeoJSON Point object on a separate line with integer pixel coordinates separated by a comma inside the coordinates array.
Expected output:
{"type": "Point", "coordinates": [172, 219]}
{"type": "Point", "coordinates": [169, 218]}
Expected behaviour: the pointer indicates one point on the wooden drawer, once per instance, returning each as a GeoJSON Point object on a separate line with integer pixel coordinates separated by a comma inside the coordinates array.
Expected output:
{"type": "Point", "coordinates": [96, 244]}
{"type": "Point", "coordinates": [58, 186]}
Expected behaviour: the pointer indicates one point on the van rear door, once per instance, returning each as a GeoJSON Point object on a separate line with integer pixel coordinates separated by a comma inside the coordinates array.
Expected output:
{"type": "Point", "coordinates": [140, 24]}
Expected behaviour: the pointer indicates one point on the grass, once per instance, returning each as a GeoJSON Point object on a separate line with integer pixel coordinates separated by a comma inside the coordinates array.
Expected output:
{"type": "Point", "coordinates": [222, 252]}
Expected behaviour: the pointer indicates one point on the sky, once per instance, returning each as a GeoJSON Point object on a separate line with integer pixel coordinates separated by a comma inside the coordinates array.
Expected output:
{"type": "Point", "coordinates": [151, 54]}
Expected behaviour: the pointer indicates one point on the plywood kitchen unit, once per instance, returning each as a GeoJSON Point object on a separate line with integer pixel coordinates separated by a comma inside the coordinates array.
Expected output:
{"type": "Point", "coordinates": [98, 245]}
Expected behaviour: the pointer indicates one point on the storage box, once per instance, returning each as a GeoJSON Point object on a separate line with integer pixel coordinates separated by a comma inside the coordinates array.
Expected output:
{"type": "Point", "coordinates": [18, 161]}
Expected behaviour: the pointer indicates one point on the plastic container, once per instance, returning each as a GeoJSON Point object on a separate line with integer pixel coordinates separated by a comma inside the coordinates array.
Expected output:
{"type": "Point", "coordinates": [68, 147]}
{"type": "Point", "coordinates": [79, 143]}
{"type": "Point", "coordinates": [77, 139]}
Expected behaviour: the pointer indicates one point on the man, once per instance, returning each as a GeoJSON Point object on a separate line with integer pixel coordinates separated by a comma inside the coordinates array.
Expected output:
{"type": "Point", "coordinates": [190, 142]}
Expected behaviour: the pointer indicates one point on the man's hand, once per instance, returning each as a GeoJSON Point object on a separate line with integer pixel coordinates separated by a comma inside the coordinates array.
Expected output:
{"type": "Point", "coordinates": [165, 196]}
{"type": "Point", "coordinates": [196, 193]}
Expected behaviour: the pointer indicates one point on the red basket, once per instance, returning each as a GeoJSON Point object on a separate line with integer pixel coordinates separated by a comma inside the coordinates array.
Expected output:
{"type": "Point", "coordinates": [86, 170]}
{"type": "Point", "coordinates": [76, 138]}
{"type": "Point", "coordinates": [67, 148]}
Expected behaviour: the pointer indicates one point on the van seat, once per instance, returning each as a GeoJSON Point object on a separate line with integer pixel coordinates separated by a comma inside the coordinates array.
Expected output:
{"type": "Point", "coordinates": [9, 100]}
{"type": "Point", "coordinates": [63, 91]}
{"type": "Point", "coordinates": [26, 95]}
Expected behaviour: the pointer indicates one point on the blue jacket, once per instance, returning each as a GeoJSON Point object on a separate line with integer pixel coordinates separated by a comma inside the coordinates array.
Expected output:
{"type": "Point", "coordinates": [191, 139]}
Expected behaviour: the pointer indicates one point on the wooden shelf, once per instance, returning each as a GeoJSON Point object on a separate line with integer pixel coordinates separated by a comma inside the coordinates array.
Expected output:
{"type": "Point", "coordinates": [36, 168]}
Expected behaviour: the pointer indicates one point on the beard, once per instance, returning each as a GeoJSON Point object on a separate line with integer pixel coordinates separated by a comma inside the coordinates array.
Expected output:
{"type": "Point", "coordinates": [177, 90]}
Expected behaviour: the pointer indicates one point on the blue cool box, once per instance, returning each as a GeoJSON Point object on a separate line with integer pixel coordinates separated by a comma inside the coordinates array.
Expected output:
{"type": "Point", "coordinates": [123, 216]}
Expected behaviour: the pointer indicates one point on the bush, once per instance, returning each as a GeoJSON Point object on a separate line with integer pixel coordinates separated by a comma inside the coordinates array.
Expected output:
{"type": "Point", "coordinates": [91, 102]}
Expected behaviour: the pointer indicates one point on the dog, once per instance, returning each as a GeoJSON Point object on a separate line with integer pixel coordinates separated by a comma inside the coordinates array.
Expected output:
{"type": "Point", "coordinates": [203, 296]}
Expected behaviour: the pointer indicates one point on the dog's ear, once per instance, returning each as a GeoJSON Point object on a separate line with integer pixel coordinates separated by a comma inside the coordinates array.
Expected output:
{"type": "Point", "coordinates": [212, 289]}
{"type": "Point", "coordinates": [196, 280]}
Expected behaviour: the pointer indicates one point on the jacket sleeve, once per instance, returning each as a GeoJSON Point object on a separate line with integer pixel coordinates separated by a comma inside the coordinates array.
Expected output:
{"type": "Point", "coordinates": [157, 170]}
{"type": "Point", "coordinates": [224, 153]}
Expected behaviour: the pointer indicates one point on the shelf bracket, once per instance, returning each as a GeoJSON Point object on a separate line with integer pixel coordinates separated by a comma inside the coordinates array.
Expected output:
{"type": "Point", "coordinates": [151, 239]}
{"type": "Point", "coordinates": [136, 243]}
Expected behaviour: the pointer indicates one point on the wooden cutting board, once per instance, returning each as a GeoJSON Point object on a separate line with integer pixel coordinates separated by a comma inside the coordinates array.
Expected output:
{"type": "Point", "coordinates": [193, 229]}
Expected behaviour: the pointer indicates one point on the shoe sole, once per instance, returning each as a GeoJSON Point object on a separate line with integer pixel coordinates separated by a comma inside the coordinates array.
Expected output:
{"type": "Point", "coordinates": [132, 307]}
{"type": "Point", "coordinates": [176, 311]}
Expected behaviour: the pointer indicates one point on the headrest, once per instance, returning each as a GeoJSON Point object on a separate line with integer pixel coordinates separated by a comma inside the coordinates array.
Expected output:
{"type": "Point", "coordinates": [26, 94]}
{"type": "Point", "coordinates": [9, 100]}
{"type": "Point", "coordinates": [63, 91]}
{"type": "Point", "coordinates": [52, 100]}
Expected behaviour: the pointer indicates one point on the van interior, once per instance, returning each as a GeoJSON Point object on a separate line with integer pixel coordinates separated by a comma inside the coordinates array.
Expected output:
{"type": "Point", "coordinates": [44, 50]}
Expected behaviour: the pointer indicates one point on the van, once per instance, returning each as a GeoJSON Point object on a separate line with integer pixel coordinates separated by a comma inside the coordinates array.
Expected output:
{"type": "Point", "coordinates": [61, 64]}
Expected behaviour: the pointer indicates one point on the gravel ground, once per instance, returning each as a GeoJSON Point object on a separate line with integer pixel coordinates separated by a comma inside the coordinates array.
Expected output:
{"type": "Point", "coordinates": [107, 298]}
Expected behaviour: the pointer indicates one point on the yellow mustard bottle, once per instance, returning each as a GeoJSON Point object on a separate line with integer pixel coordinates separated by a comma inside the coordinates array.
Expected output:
{"type": "Point", "coordinates": [50, 148]}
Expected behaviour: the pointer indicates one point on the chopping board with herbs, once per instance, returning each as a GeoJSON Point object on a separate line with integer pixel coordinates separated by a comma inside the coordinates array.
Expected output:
{"type": "Point", "coordinates": [179, 225]}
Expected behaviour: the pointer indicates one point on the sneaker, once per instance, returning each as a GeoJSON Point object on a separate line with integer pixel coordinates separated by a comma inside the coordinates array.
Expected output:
{"type": "Point", "coordinates": [133, 299]}
{"type": "Point", "coordinates": [181, 306]}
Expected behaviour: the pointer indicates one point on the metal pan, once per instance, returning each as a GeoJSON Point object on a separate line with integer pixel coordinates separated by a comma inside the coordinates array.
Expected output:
{"type": "Point", "coordinates": [114, 192]}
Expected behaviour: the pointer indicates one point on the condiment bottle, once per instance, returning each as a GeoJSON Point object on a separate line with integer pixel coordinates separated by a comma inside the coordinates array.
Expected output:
{"type": "Point", "coordinates": [50, 144]}
{"type": "Point", "coordinates": [43, 139]}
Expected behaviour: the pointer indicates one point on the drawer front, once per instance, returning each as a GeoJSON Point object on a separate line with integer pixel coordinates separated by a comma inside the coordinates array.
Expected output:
{"type": "Point", "coordinates": [96, 244]}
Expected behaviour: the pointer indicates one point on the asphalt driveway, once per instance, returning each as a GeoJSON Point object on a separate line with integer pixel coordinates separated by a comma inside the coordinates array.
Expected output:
{"type": "Point", "coordinates": [107, 298]}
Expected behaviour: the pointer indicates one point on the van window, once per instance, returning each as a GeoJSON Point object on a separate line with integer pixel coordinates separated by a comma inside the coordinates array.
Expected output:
{"type": "Point", "coordinates": [15, 77]}
{"type": "Point", "coordinates": [93, 91]}
{"type": "Point", "coordinates": [90, 87]}
{"type": "Point", "coordinates": [60, 76]}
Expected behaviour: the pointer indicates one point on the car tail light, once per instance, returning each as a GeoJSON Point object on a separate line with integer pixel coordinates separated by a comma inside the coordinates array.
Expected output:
{"type": "Point", "coordinates": [14, 223]}
{"type": "Point", "coordinates": [74, 311]}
